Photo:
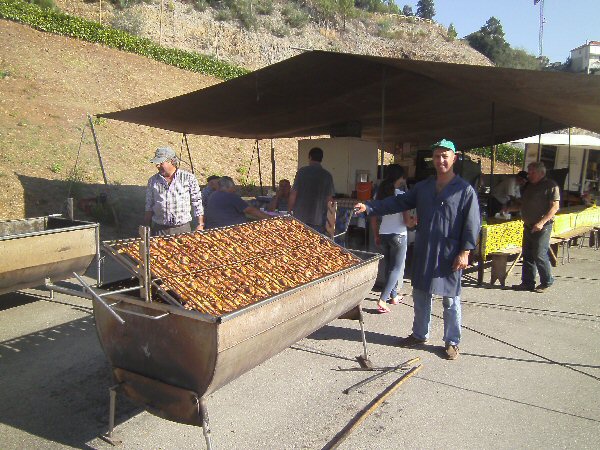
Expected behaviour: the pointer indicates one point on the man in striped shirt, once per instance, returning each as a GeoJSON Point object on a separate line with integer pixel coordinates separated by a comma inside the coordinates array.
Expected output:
{"type": "Point", "coordinates": [172, 197]}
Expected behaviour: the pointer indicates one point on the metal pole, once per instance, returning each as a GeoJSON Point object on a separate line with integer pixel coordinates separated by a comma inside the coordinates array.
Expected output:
{"type": "Point", "coordinates": [539, 155]}
{"type": "Point", "coordinates": [188, 150]}
{"type": "Point", "coordinates": [145, 263]}
{"type": "Point", "coordinates": [205, 423]}
{"type": "Point", "coordinates": [262, 192]}
{"type": "Point", "coordinates": [541, 37]}
{"type": "Point", "coordinates": [272, 165]}
{"type": "Point", "coordinates": [98, 149]}
{"type": "Point", "coordinates": [492, 152]}
{"type": "Point", "coordinates": [569, 169]}
{"type": "Point", "coordinates": [70, 208]}
{"type": "Point", "coordinates": [382, 120]}
{"type": "Point", "coordinates": [112, 392]}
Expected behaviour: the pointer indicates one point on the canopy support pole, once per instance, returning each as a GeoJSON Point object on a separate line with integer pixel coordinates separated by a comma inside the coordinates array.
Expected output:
{"type": "Point", "coordinates": [97, 145]}
{"type": "Point", "coordinates": [539, 152]}
{"type": "Point", "coordinates": [188, 151]}
{"type": "Point", "coordinates": [272, 165]}
{"type": "Point", "coordinates": [492, 152]}
{"type": "Point", "coordinates": [381, 151]}
{"type": "Point", "coordinates": [262, 191]}
{"type": "Point", "coordinates": [569, 170]}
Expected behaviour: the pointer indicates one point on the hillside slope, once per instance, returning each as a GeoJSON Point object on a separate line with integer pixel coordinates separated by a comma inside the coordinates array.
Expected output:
{"type": "Point", "coordinates": [273, 40]}
{"type": "Point", "coordinates": [50, 82]}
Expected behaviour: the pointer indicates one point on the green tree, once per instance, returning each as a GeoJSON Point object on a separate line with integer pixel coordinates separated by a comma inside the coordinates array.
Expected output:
{"type": "Point", "coordinates": [452, 34]}
{"type": "Point", "coordinates": [407, 10]}
{"type": "Point", "coordinates": [345, 9]}
{"type": "Point", "coordinates": [489, 40]}
{"type": "Point", "coordinates": [425, 9]}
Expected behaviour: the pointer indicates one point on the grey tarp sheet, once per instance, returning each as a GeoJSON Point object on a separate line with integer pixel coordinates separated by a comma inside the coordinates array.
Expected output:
{"type": "Point", "coordinates": [320, 93]}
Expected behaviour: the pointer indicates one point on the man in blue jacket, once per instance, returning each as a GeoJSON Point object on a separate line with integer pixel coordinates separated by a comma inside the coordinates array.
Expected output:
{"type": "Point", "coordinates": [449, 223]}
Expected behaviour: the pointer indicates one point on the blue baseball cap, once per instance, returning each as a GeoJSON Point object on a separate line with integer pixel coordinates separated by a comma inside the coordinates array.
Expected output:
{"type": "Point", "coordinates": [444, 143]}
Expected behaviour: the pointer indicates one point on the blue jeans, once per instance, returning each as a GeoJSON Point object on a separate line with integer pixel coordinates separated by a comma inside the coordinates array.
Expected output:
{"type": "Point", "coordinates": [394, 255]}
{"type": "Point", "coordinates": [452, 317]}
{"type": "Point", "coordinates": [535, 256]}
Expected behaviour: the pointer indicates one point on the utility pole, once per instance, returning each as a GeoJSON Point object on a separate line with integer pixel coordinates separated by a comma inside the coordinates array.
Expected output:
{"type": "Point", "coordinates": [542, 20]}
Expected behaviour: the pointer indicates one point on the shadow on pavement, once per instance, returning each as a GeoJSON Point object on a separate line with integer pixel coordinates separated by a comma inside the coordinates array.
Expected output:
{"type": "Point", "coordinates": [54, 384]}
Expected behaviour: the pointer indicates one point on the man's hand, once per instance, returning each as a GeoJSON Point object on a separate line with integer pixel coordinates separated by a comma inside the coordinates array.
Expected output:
{"type": "Point", "coordinates": [537, 227]}
{"type": "Point", "coordinates": [360, 208]}
{"type": "Point", "coordinates": [200, 227]}
{"type": "Point", "coordinates": [461, 261]}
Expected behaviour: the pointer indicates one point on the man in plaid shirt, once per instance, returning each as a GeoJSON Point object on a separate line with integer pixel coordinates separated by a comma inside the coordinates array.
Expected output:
{"type": "Point", "coordinates": [169, 195]}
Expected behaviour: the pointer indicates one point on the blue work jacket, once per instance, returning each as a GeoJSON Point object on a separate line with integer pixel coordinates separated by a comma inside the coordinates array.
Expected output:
{"type": "Point", "coordinates": [448, 222]}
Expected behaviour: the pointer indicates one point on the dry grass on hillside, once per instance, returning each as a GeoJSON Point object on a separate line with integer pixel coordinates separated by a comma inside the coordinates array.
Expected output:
{"type": "Point", "coordinates": [52, 82]}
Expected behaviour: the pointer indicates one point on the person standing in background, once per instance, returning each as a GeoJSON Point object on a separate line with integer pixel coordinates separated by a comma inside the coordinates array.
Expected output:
{"type": "Point", "coordinates": [169, 196]}
{"type": "Point", "coordinates": [539, 204]}
{"type": "Point", "coordinates": [311, 192]}
{"type": "Point", "coordinates": [391, 236]}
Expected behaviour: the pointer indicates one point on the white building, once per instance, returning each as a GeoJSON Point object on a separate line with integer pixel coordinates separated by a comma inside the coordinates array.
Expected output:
{"type": "Point", "coordinates": [586, 58]}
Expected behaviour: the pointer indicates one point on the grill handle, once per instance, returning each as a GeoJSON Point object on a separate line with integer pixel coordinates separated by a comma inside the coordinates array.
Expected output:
{"type": "Point", "coordinates": [97, 297]}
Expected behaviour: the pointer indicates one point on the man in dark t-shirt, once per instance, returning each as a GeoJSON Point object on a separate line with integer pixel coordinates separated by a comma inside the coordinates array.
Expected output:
{"type": "Point", "coordinates": [226, 208]}
{"type": "Point", "coordinates": [539, 203]}
{"type": "Point", "coordinates": [311, 192]}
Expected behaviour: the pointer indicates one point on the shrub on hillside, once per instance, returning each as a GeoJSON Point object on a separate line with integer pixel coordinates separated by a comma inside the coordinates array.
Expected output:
{"type": "Point", "coordinates": [295, 18]}
{"type": "Point", "coordinates": [128, 21]}
{"type": "Point", "coordinates": [48, 4]}
{"type": "Point", "coordinates": [200, 5]}
{"type": "Point", "coordinates": [265, 7]}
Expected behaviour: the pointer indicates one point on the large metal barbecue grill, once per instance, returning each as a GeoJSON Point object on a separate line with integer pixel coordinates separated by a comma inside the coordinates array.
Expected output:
{"type": "Point", "coordinates": [38, 250]}
{"type": "Point", "coordinates": [171, 350]}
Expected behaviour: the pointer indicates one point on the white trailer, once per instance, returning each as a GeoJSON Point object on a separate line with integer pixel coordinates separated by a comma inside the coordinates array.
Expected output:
{"type": "Point", "coordinates": [583, 163]}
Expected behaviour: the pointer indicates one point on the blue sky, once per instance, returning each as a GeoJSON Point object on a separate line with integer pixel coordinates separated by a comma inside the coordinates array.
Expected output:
{"type": "Point", "coordinates": [568, 23]}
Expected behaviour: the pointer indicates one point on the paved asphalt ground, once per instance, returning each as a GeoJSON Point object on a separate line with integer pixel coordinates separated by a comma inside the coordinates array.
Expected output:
{"type": "Point", "coordinates": [528, 377]}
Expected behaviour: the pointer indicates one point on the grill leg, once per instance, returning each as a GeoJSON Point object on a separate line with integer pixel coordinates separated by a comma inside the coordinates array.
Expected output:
{"type": "Point", "coordinates": [205, 425]}
{"type": "Point", "coordinates": [112, 392]}
{"type": "Point", "coordinates": [363, 359]}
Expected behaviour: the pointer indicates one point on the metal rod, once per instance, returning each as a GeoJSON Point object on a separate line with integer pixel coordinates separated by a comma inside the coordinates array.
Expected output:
{"type": "Point", "coordinates": [262, 192]}
{"type": "Point", "coordinates": [98, 149]}
{"type": "Point", "coordinates": [98, 259]}
{"type": "Point", "coordinates": [539, 152]}
{"type": "Point", "coordinates": [188, 150]}
{"type": "Point", "coordinates": [361, 321]}
{"type": "Point", "coordinates": [492, 152]}
{"type": "Point", "coordinates": [205, 423]}
{"type": "Point", "coordinates": [569, 169]}
{"type": "Point", "coordinates": [272, 166]}
{"type": "Point", "coordinates": [360, 418]}
{"type": "Point", "coordinates": [119, 291]}
{"type": "Point", "coordinates": [381, 151]}
{"type": "Point", "coordinates": [381, 374]}
{"type": "Point", "coordinates": [70, 212]}
{"type": "Point", "coordinates": [89, 289]}
{"type": "Point", "coordinates": [112, 393]}
{"type": "Point", "coordinates": [145, 263]}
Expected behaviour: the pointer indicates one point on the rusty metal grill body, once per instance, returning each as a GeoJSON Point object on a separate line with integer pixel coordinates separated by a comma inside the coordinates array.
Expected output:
{"type": "Point", "coordinates": [168, 359]}
{"type": "Point", "coordinates": [41, 248]}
